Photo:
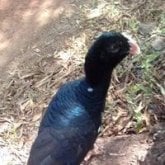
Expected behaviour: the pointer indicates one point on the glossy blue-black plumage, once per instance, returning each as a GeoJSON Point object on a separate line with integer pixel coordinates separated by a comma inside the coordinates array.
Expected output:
{"type": "Point", "coordinates": [72, 104]}
{"type": "Point", "coordinates": [71, 121]}
{"type": "Point", "coordinates": [70, 125]}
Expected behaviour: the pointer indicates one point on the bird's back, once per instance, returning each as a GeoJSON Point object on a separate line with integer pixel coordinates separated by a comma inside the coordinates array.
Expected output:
{"type": "Point", "coordinates": [69, 126]}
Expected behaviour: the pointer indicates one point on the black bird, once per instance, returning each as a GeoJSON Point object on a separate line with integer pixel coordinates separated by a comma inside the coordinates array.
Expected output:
{"type": "Point", "coordinates": [70, 125]}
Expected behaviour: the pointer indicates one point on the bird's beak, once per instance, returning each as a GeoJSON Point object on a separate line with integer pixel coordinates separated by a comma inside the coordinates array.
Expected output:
{"type": "Point", "coordinates": [134, 47]}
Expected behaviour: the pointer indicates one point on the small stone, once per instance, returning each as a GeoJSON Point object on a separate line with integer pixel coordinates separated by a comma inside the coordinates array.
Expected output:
{"type": "Point", "coordinates": [37, 50]}
{"type": "Point", "coordinates": [146, 28]}
{"type": "Point", "coordinates": [116, 3]}
{"type": "Point", "coordinates": [159, 43]}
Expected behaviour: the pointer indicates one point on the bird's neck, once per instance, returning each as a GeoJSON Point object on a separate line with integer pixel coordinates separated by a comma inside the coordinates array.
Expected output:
{"type": "Point", "coordinates": [98, 76]}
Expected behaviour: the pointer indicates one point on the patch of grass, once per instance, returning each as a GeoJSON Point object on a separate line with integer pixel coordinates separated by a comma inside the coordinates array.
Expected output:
{"type": "Point", "coordinates": [133, 24]}
{"type": "Point", "coordinates": [144, 88]}
{"type": "Point", "coordinates": [162, 23]}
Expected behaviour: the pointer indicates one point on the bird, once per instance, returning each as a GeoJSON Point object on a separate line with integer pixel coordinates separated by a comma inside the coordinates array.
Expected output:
{"type": "Point", "coordinates": [70, 125]}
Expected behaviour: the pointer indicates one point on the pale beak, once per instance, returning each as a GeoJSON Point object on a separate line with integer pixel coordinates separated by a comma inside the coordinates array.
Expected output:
{"type": "Point", "coordinates": [134, 47]}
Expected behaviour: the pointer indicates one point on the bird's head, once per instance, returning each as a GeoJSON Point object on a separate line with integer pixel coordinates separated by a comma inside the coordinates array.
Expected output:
{"type": "Point", "coordinates": [106, 52]}
{"type": "Point", "coordinates": [111, 47]}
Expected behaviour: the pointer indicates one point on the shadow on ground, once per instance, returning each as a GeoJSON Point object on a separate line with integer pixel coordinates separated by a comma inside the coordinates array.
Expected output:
{"type": "Point", "coordinates": [156, 154]}
{"type": "Point", "coordinates": [127, 149]}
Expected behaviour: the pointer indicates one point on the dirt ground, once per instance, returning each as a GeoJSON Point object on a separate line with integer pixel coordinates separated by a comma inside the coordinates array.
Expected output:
{"type": "Point", "coordinates": [28, 25]}
{"type": "Point", "coordinates": [42, 45]}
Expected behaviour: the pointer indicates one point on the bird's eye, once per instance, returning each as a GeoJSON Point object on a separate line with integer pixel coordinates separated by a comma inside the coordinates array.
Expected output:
{"type": "Point", "coordinates": [114, 48]}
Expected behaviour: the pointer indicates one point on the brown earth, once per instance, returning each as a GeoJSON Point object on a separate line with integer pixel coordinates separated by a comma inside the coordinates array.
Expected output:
{"type": "Point", "coordinates": [30, 24]}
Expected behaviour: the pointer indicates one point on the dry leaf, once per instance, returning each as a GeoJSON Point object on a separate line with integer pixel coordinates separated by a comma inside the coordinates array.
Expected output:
{"type": "Point", "coordinates": [17, 125]}
{"type": "Point", "coordinates": [36, 117]}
